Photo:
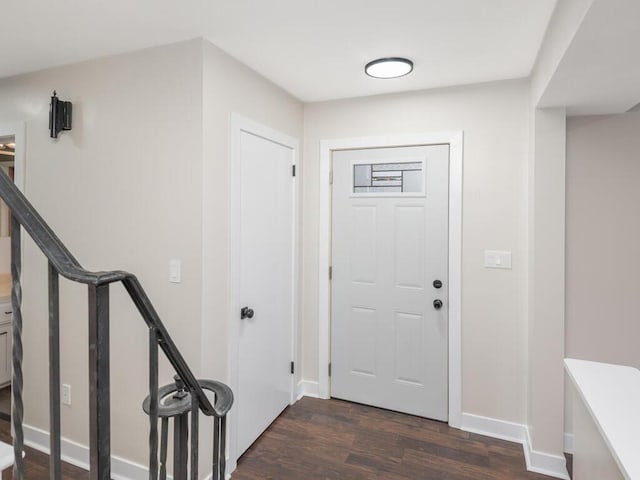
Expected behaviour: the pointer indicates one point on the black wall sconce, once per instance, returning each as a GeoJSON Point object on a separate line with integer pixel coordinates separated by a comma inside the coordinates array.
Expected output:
{"type": "Point", "coordinates": [59, 115]}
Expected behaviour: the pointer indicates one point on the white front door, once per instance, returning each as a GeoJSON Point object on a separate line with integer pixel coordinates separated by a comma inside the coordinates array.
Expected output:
{"type": "Point", "coordinates": [266, 253]}
{"type": "Point", "coordinates": [389, 288]}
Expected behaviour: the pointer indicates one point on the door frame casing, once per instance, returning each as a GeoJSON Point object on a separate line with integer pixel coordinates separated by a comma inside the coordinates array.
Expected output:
{"type": "Point", "coordinates": [327, 147]}
{"type": "Point", "coordinates": [18, 131]}
{"type": "Point", "coordinates": [240, 124]}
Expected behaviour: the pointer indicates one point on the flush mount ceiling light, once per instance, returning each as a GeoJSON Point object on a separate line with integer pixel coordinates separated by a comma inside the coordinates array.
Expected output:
{"type": "Point", "coordinates": [392, 67]}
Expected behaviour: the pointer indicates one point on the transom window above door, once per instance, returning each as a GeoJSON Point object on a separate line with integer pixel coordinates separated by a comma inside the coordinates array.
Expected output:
{"type": "Point", "coordinates": [389, 179]}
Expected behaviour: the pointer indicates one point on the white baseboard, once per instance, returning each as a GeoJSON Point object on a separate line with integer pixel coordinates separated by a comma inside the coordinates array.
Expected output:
{"type": "Point", "coordinates": [78, 455]}
{"type": "Point", "coordinates": [544, 463]}
{"type": "Point", "coordinates": [492, 427]}
{"type": "Point", "coordinates": [306, 388]}
{"type": "Point", "coordinates": [538, 462]}
{"type": "Point", "coordinates": [568, 442]}
{"type": "Point", "coordinates": [210, 476]}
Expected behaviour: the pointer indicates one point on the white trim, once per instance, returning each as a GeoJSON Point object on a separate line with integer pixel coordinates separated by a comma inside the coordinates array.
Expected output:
{"type": "Point", "coordinates": [227, 475]}
{"type": "Point", "coordinates": [455, 140]}
{"type": "Point", "coordinates": [492, 427]}
{"type": "Point", "coordinates": [307, 388]}
{"type": "Point", "coordinates": [78, 455]}
{"type": "Point", "coordinates": [544, 463]}
{"type": "Point", "coordinates": [568, 443]}
{"type": "Point", "coordinates": [241, 124]}
{"type": "Point", "coordinates": [538, 462]}
{"type": "Point", "coordinates": [18, 131]}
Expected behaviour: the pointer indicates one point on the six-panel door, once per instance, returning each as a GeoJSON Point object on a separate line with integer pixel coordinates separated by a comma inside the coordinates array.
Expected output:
{"type": "Point", "coordinates": [389, 245]}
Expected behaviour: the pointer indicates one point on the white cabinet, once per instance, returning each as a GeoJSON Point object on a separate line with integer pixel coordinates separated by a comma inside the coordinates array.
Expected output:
{"type": "Point", "coordinates": [5, 344]}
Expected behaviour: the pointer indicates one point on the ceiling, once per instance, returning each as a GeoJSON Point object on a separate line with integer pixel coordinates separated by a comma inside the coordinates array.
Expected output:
{"type": "Point", "coordinates": [44, 34]}
{"type": "Point", "coordinates": [315, 50]}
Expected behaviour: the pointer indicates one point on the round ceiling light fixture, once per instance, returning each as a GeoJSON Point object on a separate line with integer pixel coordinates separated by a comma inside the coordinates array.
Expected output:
{"type": "Point", "coordinates": [391, 67]}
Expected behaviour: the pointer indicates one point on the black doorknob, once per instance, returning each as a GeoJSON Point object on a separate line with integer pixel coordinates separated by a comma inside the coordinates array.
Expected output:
{"type": "Point", "coordinates": [437, 304]}
{"type": "Point", "coordinates": [246, 312]}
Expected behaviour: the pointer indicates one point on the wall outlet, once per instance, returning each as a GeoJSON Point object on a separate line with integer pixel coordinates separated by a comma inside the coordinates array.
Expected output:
{"type": "Point", "coordinates": [66, 394]}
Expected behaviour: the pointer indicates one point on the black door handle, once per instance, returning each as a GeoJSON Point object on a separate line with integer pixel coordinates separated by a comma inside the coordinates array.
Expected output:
{"type": "Point", "coordinates": [246, 312]}
{"type": "Point", "coordinates": [437, 304]}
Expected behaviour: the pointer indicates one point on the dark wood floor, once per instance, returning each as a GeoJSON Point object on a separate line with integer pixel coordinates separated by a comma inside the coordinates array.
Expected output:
{"type": "Point", "coordinates": [5, 403]}
{"type": "Point", "coordinates": [331, 439]}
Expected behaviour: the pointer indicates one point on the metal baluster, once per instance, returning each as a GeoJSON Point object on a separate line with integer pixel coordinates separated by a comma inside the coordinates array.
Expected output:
{"type": "Point", "coordinates": [17, 384]}
{"type": "Point", "coordinates": [216, 448]}
{"type": "Point", "coordinates": [223, 448]}
{"type": "Point", "coordinates": [99, 411]}
{"type": "Point", "coordinates": [180, 446]}
{"type": "Point", "coordinates": [163, 448]}
{"type": "Point", "coordinates": [153, 410]}
{"type": "Point", "coordinates": [195, 412]}
{"type": "Point", "coordinates": [55, 472]}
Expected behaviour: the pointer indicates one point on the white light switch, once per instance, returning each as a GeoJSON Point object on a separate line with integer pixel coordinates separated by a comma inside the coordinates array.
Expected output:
{"type": "Point", "coordinates": [497, 259]}
{"type": "Point", "coordinates": [175, 267]}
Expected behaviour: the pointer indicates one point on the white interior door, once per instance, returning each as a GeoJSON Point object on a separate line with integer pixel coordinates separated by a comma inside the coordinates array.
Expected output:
{"type": "Point", "coordinates": [389, 323]}
{"type": "Point", "coordinates": [265, 286]}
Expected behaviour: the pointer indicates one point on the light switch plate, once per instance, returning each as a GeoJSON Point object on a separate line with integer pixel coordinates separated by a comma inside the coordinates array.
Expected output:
{"type": "Point", "coordinates": [175, 267]}
{"type": "Point", "coordinates": [497, 259]}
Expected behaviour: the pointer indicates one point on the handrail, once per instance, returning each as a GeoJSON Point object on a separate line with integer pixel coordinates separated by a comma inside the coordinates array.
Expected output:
{"type": "Point", "coordinates": [67, 266]}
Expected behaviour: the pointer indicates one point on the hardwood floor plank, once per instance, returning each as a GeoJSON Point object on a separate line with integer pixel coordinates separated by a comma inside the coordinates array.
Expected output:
{"type": "Point", "coordinates": [337, 440]}
{"type": "Point", "coordinates": [459, 455]}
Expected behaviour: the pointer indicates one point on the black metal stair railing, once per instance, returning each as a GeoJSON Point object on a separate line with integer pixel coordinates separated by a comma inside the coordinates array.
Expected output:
{"type": "Point", "coordinates": [61, 262]}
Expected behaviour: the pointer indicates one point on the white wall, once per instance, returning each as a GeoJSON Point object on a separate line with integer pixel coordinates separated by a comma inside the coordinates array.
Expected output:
{"type": "Point", "coordinates": [603, 238]}
{"type": "Point", "coordinates": [229, 87]}
{"type": "Point", "coordinates": [123, 191]}
{"type": "Point", "coordinates": [546, 286]}
{"type": "Point", "coordinates": [494, 118]}
{"type": "Point", "coordinates": [142, 178]}
{"type": "Point", "coordinates": [603, 234]}
{"type": "Point", "coordinates": [155, 126]}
